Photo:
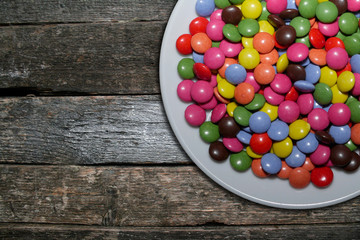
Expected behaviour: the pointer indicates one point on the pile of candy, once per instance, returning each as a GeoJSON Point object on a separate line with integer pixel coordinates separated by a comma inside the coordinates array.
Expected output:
{"type": "Point", "coordinates": [280, 81]}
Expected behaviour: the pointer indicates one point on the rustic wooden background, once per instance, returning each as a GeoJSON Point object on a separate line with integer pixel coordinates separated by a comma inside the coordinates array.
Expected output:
{"type": "Point", "coordinates": [86, 149]}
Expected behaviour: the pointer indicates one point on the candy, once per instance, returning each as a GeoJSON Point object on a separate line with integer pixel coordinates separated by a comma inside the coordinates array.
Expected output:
{"type": "Point", "coordinates": [278, 82]}
{"type": "Point", "coordinates": [240, 161]}
{"type": "Point", "coordinates": [218, 151]}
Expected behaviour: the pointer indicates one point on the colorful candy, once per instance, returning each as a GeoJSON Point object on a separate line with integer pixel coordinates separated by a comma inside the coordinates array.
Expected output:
{"type": "Point", "coordinates": [280, 80]}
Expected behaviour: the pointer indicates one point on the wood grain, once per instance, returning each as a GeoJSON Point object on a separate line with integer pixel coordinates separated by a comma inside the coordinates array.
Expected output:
{"type": "Point", "coordinates": [101, 58]}
{"type": "Point", "coordinates": [87, 130]}
{"type": "Point", "coordinates": [46, 11]}
{"type": "Point", "coordinates": [140, 196]}
{"type": "Point", "coordinates": [294, 232]}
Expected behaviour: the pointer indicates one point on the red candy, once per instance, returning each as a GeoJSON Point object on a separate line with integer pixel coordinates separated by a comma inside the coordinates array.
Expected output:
{"type": "Point", "coordinates": [260, 143]}
{"type": "Point", "coordinates": [198, 25]}
{"type": "Point", "coordinates": [183, 44]}
{"type": "Point", "coordinates": [202, 71]}
{"type": "Point", "coordinates": [334, 42]}
{"type": "Point", "coordinates": [316, 38]}
{"type": "Point", "coordinates": [322, 176]}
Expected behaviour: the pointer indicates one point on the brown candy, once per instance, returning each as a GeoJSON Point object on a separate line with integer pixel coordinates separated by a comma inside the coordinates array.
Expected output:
{"type": "Point", "coordinates": [275, 20]}
{"type": "Point", "coordinates": [324, 137]}
{"type": "Point", "coordinates": [341, 5]}
{"type": "Point", "coordinates": [289, 14]}
{"type": "Point", "coordinates": [296, 72]}
{"type": "Point", "coordinates": [340, 155]}
{"type": "Point", "coordinates": [218, 151]}
{"type": "Point", "coordinates": [232, 15]}
{"type": "Point", "coordinates": [228, 128]}
{"type": "Point", "coordinates": [354, 163]}
{"type": "Point", "coordinates": [285, 35]}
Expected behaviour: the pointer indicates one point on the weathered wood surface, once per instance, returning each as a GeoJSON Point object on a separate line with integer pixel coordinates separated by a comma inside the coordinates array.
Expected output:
{"type": "Point", "coordinates": [293, 232]}
{"type": "Point", "coordinates": [55, 11]}
{"type": "Point", "coordinates": [87, 130]}
{"type": "Point", "coordinates": [102, 58]}
{"type": "Point", "coordinates": [140, 196]}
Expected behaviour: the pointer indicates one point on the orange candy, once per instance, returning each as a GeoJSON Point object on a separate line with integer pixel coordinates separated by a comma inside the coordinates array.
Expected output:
{"type": "Point", "coordinates": [270, 58]}
{"type": "Point", "coordinates": [257, 169]}
{"type": "Point", "coordinates": [263, 42]}
{"type": "Point", "coordinates": [264, 73]}
{"type": "Point", "coordinates": [244, 93]}
{"type": "Point", "coordinates": [299, 177]}
{"type": "Point", "coordinates": [200, 42]}
{"type": "Point", "coordinates": [355, 134]}
{"type": "Point", "coordinates": [308, 165]}
{"type": "Point", "coordinates": [228, 62]}
{"type": "Point", "coordinates": [284, 171]}
{"type": "Point", "coordinates": [318, 56]}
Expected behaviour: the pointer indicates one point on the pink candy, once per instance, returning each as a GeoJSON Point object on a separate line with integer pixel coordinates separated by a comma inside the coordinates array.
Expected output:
{"type": "Point", "coordinates": [233, 144]}
{"type": "Point", "coordinates": [276, 6]}
{"type": "Point", "coordinates": [272, 97]}
{"type": "Point", "coordinates": [218, 112]}
{"type": "Point", "coordinates": [321, 155]}
{"type": "Point", "coordinates": [329, 29]}
{"type": "Point", "coordinates": [306, 103]}
{"type": "Point", "coordinates": [201, 91]}
{"type": "Point", "coordinates": [337, 58]}
{"type": "Point", "coordinates": [339, 114]}
{"type": "Point", "coordinates": [214, 58]}
{"type": "Point", "coordinates": [297, 52]}
{"type": "Point", "coordinates": [288, 111]}
{"type": "Point", "coordinates": [318, 119]}
{"type": "Point", "coordinates": [184, 90]}
{"type": "Point", "coordinates": [195, 115]}
{"type": "Point", "coordinates": [214, 30]}
{"type": "Point", "coordinates": [230, 49]}
{"type": "Point", "coordinates": [281, 83]}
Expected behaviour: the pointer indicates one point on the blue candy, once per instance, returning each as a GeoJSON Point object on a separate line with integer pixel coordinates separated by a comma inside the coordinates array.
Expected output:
{"type": "Point", "coordinates": [341, 134]}
{"type": "Point", "coordinates": [291, 4]}
{"type": "Point", "coordinates": [312, 73]}
{"type": "Point", "coordinates": [355, 63]}
{"type": "Point", "coordinates": [235, 74]}
{"type": "Point", "coordinates": [278, 130]}
{"type": "Point", "coordinates": [305, 62]}
{"type": "Point", "coordinates": [198, 58]}
{"type": "Point", "coordinates": [259, 122]}
{"type": "Point", "coordinates": [326, 108]}
{"type": "Point", "coordinates": [317, 105]}
{"type": "Point", "coordinates": [296, 158]}
{"type": "Point", "coordinates": [304, 86]}
{"type": "Point", "coordinates": [308, 144]}
{"type": "Point", "coordinates": [244, 137]}
{"type": "Point", "coordinates": [204, 8]}
{"type": "Point", "coordinates": [271, 163]}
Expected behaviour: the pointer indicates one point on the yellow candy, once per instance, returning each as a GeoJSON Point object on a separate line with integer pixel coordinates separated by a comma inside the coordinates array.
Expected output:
{"type": "Point", "coordinates": [265, 26]}
{"type": "Point", "coordinates": [320, 1]}
{"type": "Point", "coordinates": [249, 58]}
{"type": "Point", "coordinates": [247, 42]}
{"type": "Point", "coordinates": [283, 148]}
{"type": "Point", "coordinates": [270, 110]}
{"type": "Point", "coordinates": [251, 9]}
{"type": "Point", "coordinates": [346, 81]}
{"type": "Point", "coordinates": [226, 89]}
{"type": "Point", "coordinates": [219, 78]}
{"type": "Point", "coordinates": [251, 153]}
{"type": "Point", "coordinates": [230, 108]}
{"type": "Point", "coordinates": [282, 63]}
{"type": "Point", "coordinates": [328, 76]}
{"type": "Point", "coordinates": [338, 96]}
{"type": "Point", "coordinates": [299, 129]}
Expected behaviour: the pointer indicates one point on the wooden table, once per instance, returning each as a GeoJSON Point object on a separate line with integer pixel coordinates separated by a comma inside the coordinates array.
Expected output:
{"type": "Point", "coordinates": [86, 148]}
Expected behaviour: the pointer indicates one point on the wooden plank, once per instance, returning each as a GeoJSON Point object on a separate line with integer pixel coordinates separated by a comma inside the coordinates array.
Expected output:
{"type": "Point", "coordinates": [46, 11]}
{"type": "Point", "coordinates": [140, 196]}
{"type": "Point", "coordinates": [87, 130]}
{"type": "Point", "coordinates": [102, 58]}
{"type": "Point", "coordinates": [294, 232]}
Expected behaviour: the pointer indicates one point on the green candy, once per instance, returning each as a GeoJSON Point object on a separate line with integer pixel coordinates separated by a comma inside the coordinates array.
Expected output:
{"type": "Point", "coordinates": [340, 35]}
{"type": "Point", "coordinates": [352, 44]}
{"type": "Point", "coordinates": [351, 145]}
{"type": "Point", "coordinates": [265, 13]}
{"type": "Point", "coordinates": [322, 94]}
{"type": "Point", "coordinates": [348, 23]}
{"type": "Point", "coordinates": [350, 100]}
{"type": "Point", "coordinates": [248, 27]}
{"type": "Point", "coordinates": [185, 68]}
{"type": "Point", "coordinates": [355, 111]}
{"type": "Point", "coordinates": [231, 33]}
{"type": "Point", "coordinates": [240, 161]}
{"type": "Point", "coordinates": [305, 40]}
{"type": "Point", "coordinates": [222, 3]}
{"type": "Point", "coordinates": [209, 132]}
{"type": "Point", "coordinates": [215, 44]}
{"type": "Point", "coordinates": [242, 116]}
{"type": "Point", "coordinates": [235, 2]}
{"type": "Point", "coordinates": [307, 8]}
{"type": "Point", "coordinates": [326, 12]}
{"type": "Point", "coordinates": [257, 103]}
{"type": "Point", "coordinates": [302, 26]}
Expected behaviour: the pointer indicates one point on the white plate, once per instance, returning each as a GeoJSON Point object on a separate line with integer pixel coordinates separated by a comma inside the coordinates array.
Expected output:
{"type": "Point", "coordinates": [269, 191]}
